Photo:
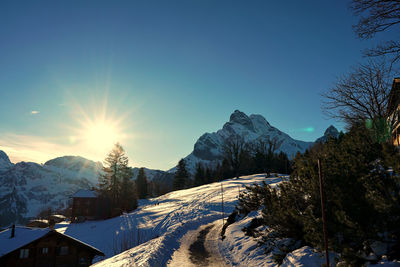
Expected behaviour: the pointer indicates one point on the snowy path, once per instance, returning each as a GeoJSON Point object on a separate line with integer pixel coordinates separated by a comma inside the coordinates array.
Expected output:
{"type": "Point", "coordinates": [200, 248]}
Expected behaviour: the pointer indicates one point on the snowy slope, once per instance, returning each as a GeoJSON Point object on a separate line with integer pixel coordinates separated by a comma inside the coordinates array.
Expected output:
{"type": "Point", "coordinates": [160, 222]}
{"type": "Point", "coordinates": [168, 224]}
{"type": "Point", "coordinates": [208, 149]}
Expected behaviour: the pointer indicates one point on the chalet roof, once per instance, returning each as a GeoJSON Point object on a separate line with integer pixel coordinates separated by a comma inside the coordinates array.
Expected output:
{"type": "Point", "coordinates": [85, 193]}
{"type": "Point", "coordinates": [25, 235]}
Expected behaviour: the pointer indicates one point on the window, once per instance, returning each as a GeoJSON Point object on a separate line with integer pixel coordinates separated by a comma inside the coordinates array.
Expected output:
{"type": "Point", "coordinates": [62, 250]}
{"type": "Point", "coordinates": [83, 261]}
{"type": "Point", "coordinates": [24, 253]}
{"type": "Point", "coordinates": [44, 250]}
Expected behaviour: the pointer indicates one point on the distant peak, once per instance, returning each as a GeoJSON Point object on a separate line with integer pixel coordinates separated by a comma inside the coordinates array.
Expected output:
{"type": "Point", "coordinates": [4, 158]}
{"type": "Point", "coordinates": [331, 131]}
{"type": "Point", "coordinates": [3, 155]}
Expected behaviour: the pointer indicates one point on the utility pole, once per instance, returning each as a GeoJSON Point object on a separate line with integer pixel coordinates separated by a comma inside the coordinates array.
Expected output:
{"type": "Point", "coordinates": [321, 190]}
{"type": "Point", "coordinates": [222, 192]}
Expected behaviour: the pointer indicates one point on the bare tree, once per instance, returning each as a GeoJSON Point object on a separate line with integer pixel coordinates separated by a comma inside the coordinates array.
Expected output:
{"type": "Point", "coordinates": [377, 16]}
{"type": "Point", "coordinates": [361, 94]}
{"type": "Point", "coordinates": [233, 151]}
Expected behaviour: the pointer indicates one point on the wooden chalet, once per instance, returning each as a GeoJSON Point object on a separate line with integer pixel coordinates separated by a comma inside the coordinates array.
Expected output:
{"type": "Point", "coordinates": [24, 246]}
{"type": "Point", "coordinates": [394, 111]}
{"type": "Point", "coordinates": [84, 205]}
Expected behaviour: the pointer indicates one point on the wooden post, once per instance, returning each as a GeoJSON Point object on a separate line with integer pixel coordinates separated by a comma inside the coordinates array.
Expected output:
{"type": "Point", "coordinates": [321, 190]}
{"type": "Point", "coordinates": [222, 192]}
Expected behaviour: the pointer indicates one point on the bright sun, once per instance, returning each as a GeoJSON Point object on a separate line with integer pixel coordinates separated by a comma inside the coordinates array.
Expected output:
{"type": "Point", "coordinates": [97, 129]}
{"type": "Point", "coordinates": [101, 135]}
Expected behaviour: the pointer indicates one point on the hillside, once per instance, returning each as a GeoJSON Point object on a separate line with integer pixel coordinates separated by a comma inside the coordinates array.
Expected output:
{"type": "Point", "coordinates": [161, 230]}
{"type": "Point", "coordinates": [159, 223]}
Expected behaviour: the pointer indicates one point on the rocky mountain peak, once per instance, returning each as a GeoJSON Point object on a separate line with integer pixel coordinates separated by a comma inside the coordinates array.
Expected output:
{"type": "Point", "coordinates": [331, 131]}
{"type": "Point", "coordinates": [5, 162]}
{"type": "Point", "coordinates": [208, 149]}
{"type": "Point", "coordinates": [240, 118]}
{"type": "Point", "coordinates": [4, 157]}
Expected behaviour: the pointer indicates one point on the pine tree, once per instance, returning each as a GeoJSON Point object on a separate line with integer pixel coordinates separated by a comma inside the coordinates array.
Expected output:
{"type": "Point", "coordinates": [114, 181]}
{"type": "Point", "coordinates": [208, 175]}
{"type": "Point", "coordinates": [181, 179]}
{"type": "Point", "coordinates": [359, 192]}
{"type": "Point", "coordinates": [199, 175]}
{"type": "Point", "coordinates": [226, 170]}
{"type": "Point", "coordinates": [141, 184]}
{"type": "Point", "coordinates": [128, 200]}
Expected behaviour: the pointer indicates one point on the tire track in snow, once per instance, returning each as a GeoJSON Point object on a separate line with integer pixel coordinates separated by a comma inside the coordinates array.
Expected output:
{"type": "Point", "coordinates": [199, 248]}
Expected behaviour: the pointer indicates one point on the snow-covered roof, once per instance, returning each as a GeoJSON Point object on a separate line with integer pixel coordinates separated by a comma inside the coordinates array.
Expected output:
{"type": "Point", "coordinates": [23, 236]}
{"type": "Point", "coordinates": [85, 193]}
{"type": "Point", "coordinates": [26, 235]}
{"type": "Point", "coordinates": [79, 241]}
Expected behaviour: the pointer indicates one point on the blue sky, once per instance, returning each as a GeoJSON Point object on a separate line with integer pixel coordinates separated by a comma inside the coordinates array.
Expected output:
{"type": "Point", "coordinates": [162, 73]}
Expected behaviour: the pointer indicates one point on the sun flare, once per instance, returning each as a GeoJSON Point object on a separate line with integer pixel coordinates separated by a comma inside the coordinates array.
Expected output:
{"type": "Point", "coordinates": [101, 135]}
{"type": "Point", "coordinates": [98, 127]}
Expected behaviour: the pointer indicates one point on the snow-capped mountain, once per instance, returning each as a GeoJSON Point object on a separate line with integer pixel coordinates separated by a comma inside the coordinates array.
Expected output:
{"type": "Point", "coordinates": [5, 162]}
{"type": "Point", "coordinates": [331, 131]}
{"type": "Point", "coordinates": [26, 188]}
{"type": "Point", "coordinates": [208, 149]}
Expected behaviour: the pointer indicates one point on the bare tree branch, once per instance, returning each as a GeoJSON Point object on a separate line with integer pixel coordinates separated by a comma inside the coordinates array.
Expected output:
{"type": "Point", "coordinates": [377, 16]}
{"type": "Point", "coordinates": [361, 94]}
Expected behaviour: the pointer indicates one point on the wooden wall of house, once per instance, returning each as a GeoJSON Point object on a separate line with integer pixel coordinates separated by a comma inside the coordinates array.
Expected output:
{"type": "Point", "coordinates": [57, 255]}
{"type": "Point", "coordinates": [84, 207]}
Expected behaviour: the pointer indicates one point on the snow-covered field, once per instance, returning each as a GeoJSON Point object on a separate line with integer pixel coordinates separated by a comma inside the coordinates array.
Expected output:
{"type": "Point", "coordinates": [160, 231]}
{"type": "Point", "coordinates": [154, 229]}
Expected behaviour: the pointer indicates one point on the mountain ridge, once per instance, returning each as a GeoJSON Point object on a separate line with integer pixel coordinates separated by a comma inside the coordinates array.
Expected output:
{"type": "Point", "coordinates": [208, 149]}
